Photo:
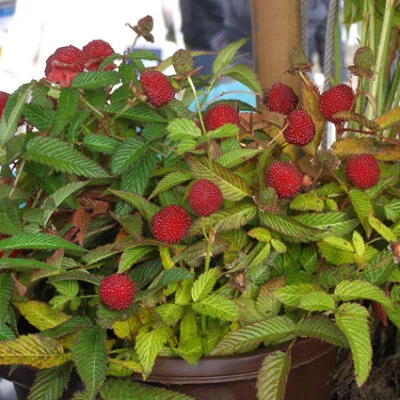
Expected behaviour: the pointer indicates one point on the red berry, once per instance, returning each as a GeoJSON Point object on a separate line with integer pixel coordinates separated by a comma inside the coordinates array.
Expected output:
{"type": "Point", "coordinates": [63, 65]}
{"type": "Point", "coordinates": [219, 115]}
{"type": "Point", "coordinates": [300, 129]}
{"type": "Point", "coordinates": [362, 171]}
{"type": "Point", "coordinates": [205, 197]}
{"type": "Point", "coordinates": [335, 99]}
{"type": "Point", "coordinates": [157, 88]}
{"type": "Point", "coordinates": [281, 98]}
{"type": "Point", "coordinates": [3, 101]}
{"type": "Point", "coordinates": [95, 52]}
{"type": "Point", "coordinates": [117, 292]}
{"type": "Point", "coordinates": [285, 178]}
{"type": "Point", "coordinates": [171, 224]}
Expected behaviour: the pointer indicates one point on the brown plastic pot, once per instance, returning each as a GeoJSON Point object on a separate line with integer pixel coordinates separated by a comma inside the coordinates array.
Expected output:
{"type": "Point", "coordinates": [234, 377]}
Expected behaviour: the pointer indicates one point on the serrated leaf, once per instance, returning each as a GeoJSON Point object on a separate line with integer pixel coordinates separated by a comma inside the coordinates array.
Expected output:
{"type": "Point", "coordinates": [261, 234]}
{"type": "Point", "coordinates": [191, 350]}
{"type": "Point", "coordinates": [225, 220]}
{"type": "Point", "coordinates": [317, 301]}
{"type": "Point", "coordinates": [224, 131]}
{"type": "Point", "coordinates": [70, 326]}
{"type": "Point", "coordinates": [232, 186]}
{"type": "Point", "coordinates": [95, 79]}
{"type": "Point", "coordinates": [33, 350]}
{"type": "Point", "coordinates": [381, 228]}
{"type": "Point", "coordinates": [80, 275]}
{"type": "Point", "coordinates": [6, 333]}
{"type": "Point", "coordinates": [170, 313]}
{"type": "Point", "coordinates": [335, 255]}
{"type": "Point", "coordinates": [204, 284]}
{"type": "Point", "coordinates": [69, 289]}
{"type": "Point", "coordinates": [339, 243]}
{"type": "Point", "coordinates": [379, 268]}
{"type": "Point", "coordinates": [226, 56]}
{"type": "Point", "coordinates": [183, 128]}
{"type": "Point", "coordinates": [100, 143]}
{"type": "Point", "coordinates": [217, 306]}
{"type": "Point", "coordinates": [6, 285]}
{"type": "Point", "coordinates": [266, 302]}
{"type": "Point", "coordinates": [131, 256]}
{"type": "Point", "coordinates": [38, 241]}
{"type": "Point", "coordinates": [41, 315]}
{"type": "Point", "coordinates": [272, 376]}
{"type": "Point", "coordinates": [66, 108]}
{"type": "Point", "coordinates": [363, 208]}
{"type": "Point", "coordinates": [41, 117]}
{"type": "Point", "coordinates": [49, 384]}
{"type": "Point", "coordinates": [248, 311]}
{"type": "Point", "coordinates": [89, 355]}
{"type": "Point", "coordinates": [139, 112]}
{"type": "Point", "coordinates": [246, 75]}
{"type": "Point", "coordinates": [62, 157]}
{"type": "Point", "coordinates": [291, 295]}
{"type": "Point", "coordinates": [358, 243]}
{"type": "Point", "coordinates": [355, 290]}
{"type": "Point", "coordinates": [269, 330]}
{"type": "Point", "coordinates": [321, 327]}
{"type": "Point", "coordinates": [118, 389]}
{"type": "Point", "coordinates": [307, 202]}
{"type": "Point", "coordinates": [278, 246]}
{"type": "Point", "coordinates": [126, 329]}
{"type": "Point", "coordinates": [127, 153]}
{"type": "Point", "coordinates": [352, 319]}
{"type": "Point", "coordinates": [149, 342]}
{"type": "Point", "coordinates": [171, 180]}
{"type": "Point", "coordinates": [234, 158]}
{"type": "Point", "coordinates": [392, 210]}
{"type": "Point", "coordinates": [174, 274]}
{"type": "Point", "coordinates": [388, 119]}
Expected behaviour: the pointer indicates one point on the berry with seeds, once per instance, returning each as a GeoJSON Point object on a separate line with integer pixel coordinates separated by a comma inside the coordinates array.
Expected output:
{"type": "Point", "coordinates": [205, 197]}
{"type": "Point", "coordinates": [157, 88]}
{"type": "Point", "coordinates": [285, 178]}
{"type": "Point", "coordinates": [171, 224]}
{"type": "Point", "coordinates": [3, 101]}
{"type": "Point", "coordinates": [335, 99]}
{"type": "Point", "coordinates": [117, 292]}
{"type": "Point", "coordinates": [64, 65]}
{"type": "Point", "coordinates": [95, 52]}
{"type": "Point", "coordinates": [281, 99]}
{"type": "Point", "coordinates": [300, 128]}
{"type": "Point", "coordinates": [362, 171]}
{"type": "Point", "coordinates": [219, 115]}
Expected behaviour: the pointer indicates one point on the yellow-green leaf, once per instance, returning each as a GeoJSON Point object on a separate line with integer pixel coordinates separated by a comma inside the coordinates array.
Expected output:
{"type": "Point", "coordinates": [381, 228]}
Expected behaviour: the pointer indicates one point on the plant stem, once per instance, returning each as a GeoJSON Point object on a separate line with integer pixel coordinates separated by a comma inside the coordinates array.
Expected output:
{"type": "Point", "coordinates": [198, 108]}
{"type": "Point", "coordinates": [18, 177]}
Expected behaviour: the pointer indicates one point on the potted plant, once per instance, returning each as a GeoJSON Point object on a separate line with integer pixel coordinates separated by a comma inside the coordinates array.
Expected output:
{"type": "Point", "coordinates": [140, 229]}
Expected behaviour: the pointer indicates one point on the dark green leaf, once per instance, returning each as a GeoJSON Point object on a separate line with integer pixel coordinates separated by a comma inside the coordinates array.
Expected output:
{"type": "Point", "coordinates": [95, 79]}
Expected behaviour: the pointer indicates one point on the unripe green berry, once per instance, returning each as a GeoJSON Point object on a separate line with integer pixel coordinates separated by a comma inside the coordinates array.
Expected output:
{"type": "Point", "coordinates": [182, 61]}
{"type": "Point", "coordinates": [364, 58]}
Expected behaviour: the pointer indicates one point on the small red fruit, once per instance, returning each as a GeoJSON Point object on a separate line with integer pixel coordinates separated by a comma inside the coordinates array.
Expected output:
{"type": "Point", "coordinates": [3, 101]}
{"type": "Point", "coordinates": [363, 171]}
{"type": "Point", "coordinates": [219, 115]}
{"type": "Point", "coordinates": [157, 88]}
{"type": "Point", "coordinates": [300, 130]}
{"type": "Point", "coordinates": [95, 52]}
{"type": "Point", "coordinates": [63, 65]}
{"type": "Point", "coordinates": [171, 224]}
{"type": "Point", "coordinates": [117, 292]}
{"type": "Point", "coordinates": [335, 99]}
{"type": "Point", "coordinates": [281, 98]}
{"type": "Point", "coordinates": [285, 178]}
{"type": "Point", "coordinates": [205, 197]}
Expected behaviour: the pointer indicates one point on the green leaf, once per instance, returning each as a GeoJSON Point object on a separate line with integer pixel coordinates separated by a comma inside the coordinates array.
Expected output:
{"type": "Point", "coordinates": [139, 112]}
{"type": "Point", "coordinates": [266, 302]}
{"type": "Point", "coordinates": [339, 243]}
{"type": "Point", "coordinates": [149, 343]}
{"type": "Point", "coordinates": [170, 276]}
{"type": "Point", "coordinates": [363, 207]}
{"type": "Point", "coordinates": [131, 256]}
{"type": "Point", "coordinates": [381, 228]}
{"type": "Point", "coordinates": [6, 285]}
{"type": "Point", "coordinates": [183, 128]}
{"type": "Point", "coordinates": [321, 327]}
{"type": "Point", "coordinates": [274, 329]}
{"type": "Point", "coordinates": [89, 355]}
{"type": "Point", "coordinates": [62, 157]}
{"type": "Point", "coordinates": [226, 56]}
{"type": "Point", "coordinates": [71, 325]}
{"type": "Point", "coordinates": [224, 131]}
{"type": "Point", "coordinates": [22, 264]}
{"type": "Point", "coordinates": [307, 202]}
{"type": "Point", "coordinates": [291, 295]}
{"type": "Point", "coordinates": [246, 75]}
{"type": "Point", "coordinates": [118, 389]}
{"type": "Point", "coordinates": [232, 186]}
{"type": "Point", "coordinates": [358, 243]}
{"type": "Point", "coordinates": [317, 301]}
{"type": "Point", "coordinates": [49, 384]}
{"type": "Point", "coordinates": [171, 180]}
{"type": "Point", "coordinates": [40, 314]}
{"type": "Point", "coordinates": [95, 79]}
{"type": "Point", "coordinates": [217, 306]}
{"type": "Point", "coordinates": [261, 234]}
{"type": "Point", "coordinates": [145, 207]}
{"type": "Point", "coordinates": [204, 284]}
{"type": "Point", "coordinates": [234, 158]}
{"type": "Point", "coordinates": [33, 350]}
{"type": "Point", "coordinates": [272, 376]}
{"type": "Point", "coordinates": [100, 143]}
{"type": "Point", "coordinates": [66, 109]}
{"type": "Point", "coordinates": [127, 153]}
{"type": "Point", "coordinates": [170, 313]}
{"type": "Point", "coordinates": [40, 117]}
{"type": "Point", "coordinates": [6, 333]}
{"type": "Point", "coordinates": [352, 319]}
{"type": "Point", "coordinates": [38, 241]}
{"type": "Point", "coordinates": [355, 290]}
{"type": "Point", "coordinates": [334, 255]}
{"type": "Point", "coordinates": [278, 246]}
{"type": "Point", "coordinates": [388, 119]}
